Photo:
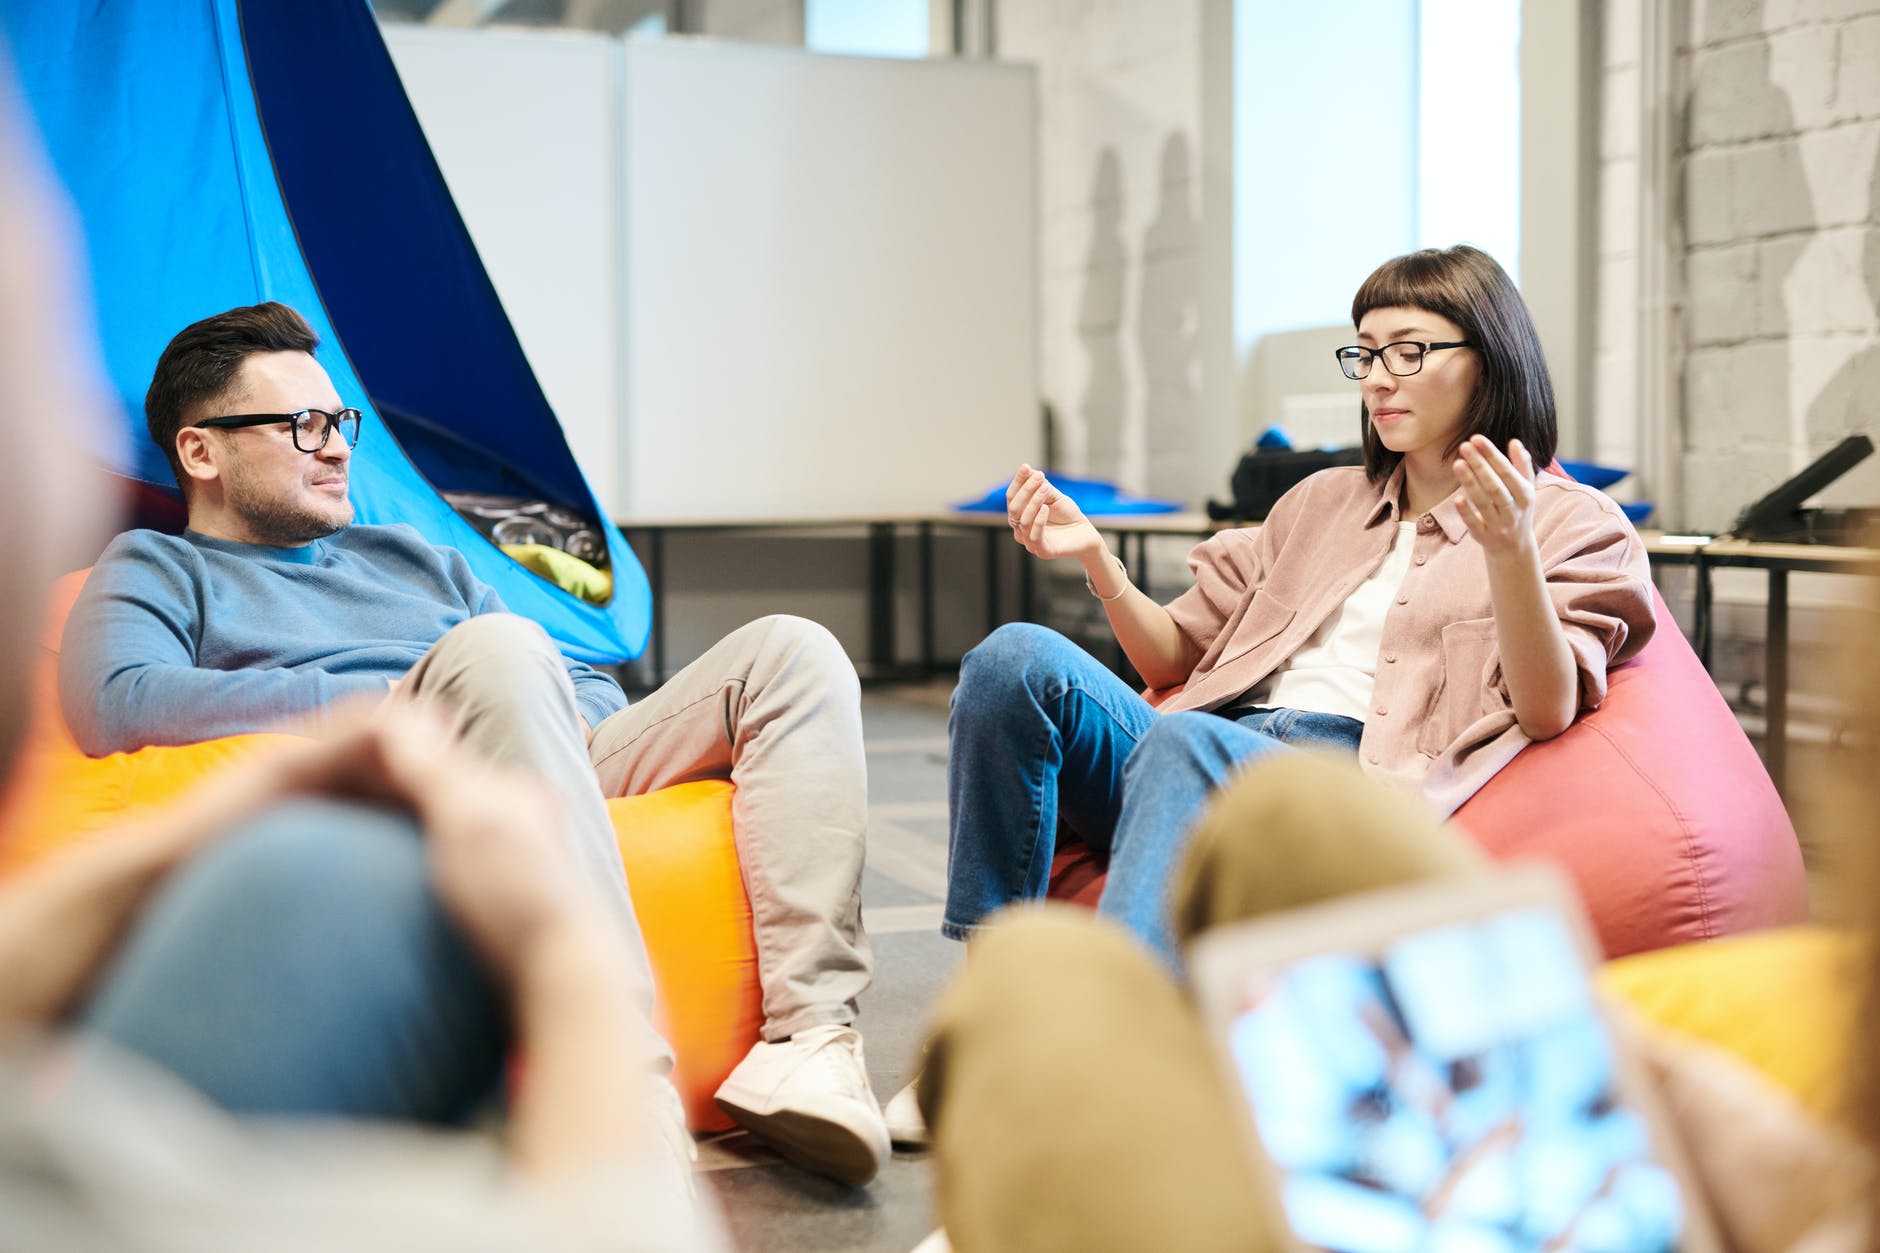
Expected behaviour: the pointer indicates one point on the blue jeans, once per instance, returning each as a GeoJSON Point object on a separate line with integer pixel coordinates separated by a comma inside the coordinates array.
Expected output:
{"type": "Point", "coordinates": [1041, 731]}
{"type": "Point", "coordinates": [302, 965]}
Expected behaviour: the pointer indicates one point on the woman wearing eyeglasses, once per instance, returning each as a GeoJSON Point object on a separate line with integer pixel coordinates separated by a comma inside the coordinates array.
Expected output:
{"type": "Point", "coordinates": [1433, 613]}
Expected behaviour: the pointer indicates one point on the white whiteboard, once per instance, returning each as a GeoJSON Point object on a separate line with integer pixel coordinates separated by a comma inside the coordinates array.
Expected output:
{"type": "Point", "coordinates": [820, 272]}
{"type": "Point", "coordinates": [831, 280]}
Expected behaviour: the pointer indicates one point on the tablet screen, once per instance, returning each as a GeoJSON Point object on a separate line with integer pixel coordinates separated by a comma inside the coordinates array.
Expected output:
{"type": "Point", "coordinates": [1453, 1090]}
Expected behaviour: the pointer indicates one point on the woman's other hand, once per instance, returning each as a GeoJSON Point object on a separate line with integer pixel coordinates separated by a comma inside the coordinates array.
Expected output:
{"type": "Point", "coordinates": [1497, 496]}
{"type": "Point", "coordinates": [1497, 505]}
{"type": "Point", "coordinates": [1045, 521]}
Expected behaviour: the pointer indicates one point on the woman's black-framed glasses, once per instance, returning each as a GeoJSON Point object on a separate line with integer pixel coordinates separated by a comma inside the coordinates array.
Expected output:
{"type": "Point", "coordinates": [311, 427]}
{"type": "Point", "coordinates": [1402, 358]}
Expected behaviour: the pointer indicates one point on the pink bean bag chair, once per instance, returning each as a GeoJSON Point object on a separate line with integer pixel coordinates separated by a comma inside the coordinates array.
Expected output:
{"type": "Point", "coordinates": [1655, 804]}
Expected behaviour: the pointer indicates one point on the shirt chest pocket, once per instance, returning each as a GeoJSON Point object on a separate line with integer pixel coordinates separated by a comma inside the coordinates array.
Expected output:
{"type": "Point", "coordinates": [1265, 618]}
{"type": "Point", "coordinates": [1468, 688]}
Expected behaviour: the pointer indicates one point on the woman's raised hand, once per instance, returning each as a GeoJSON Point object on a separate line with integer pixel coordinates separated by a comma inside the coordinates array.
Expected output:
{"type": "Point", "coordinates": [1497, 496]}
{"type": "Point", "coordinates": [1045, 521]}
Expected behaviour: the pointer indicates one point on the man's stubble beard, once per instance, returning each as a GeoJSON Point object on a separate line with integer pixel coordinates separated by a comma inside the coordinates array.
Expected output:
{"type": "Point", "coordinates": [278, 523]}
{"type": "Point", "coordinates": [292, 528]}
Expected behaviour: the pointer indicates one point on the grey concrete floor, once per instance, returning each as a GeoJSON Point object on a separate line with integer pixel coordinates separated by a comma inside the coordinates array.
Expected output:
{"type": "Point", "coordinates": [771, 1206]}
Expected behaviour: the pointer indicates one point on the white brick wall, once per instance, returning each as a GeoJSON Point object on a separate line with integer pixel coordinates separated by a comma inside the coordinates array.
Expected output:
{"type": "Point", "coordinates": [1616, 324]}
{"type": "Point", "coordinates": [1779, 174]}
{"type": "Point", "coordinates": [1776, 179]}
{"type": "Point", "coordinates": [1120, 100]}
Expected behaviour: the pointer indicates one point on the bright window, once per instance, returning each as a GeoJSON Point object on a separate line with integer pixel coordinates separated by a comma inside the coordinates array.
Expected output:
{"type": "Point", "coordinates": [1363, 130]}
{"type": "Point", "coordinates": [1469, 127]}
{"type": "Point", "coordinates": [869, 28]}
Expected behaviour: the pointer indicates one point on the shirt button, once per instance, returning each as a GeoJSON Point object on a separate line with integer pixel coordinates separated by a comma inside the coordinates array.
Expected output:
{"type": "Point", "coordinates": [1403, 600]}
{"type": "Point", "coordinates": [1427, 524]}
{"type": "Point", "coordinates": [1390, 657]}
{"type": "Point", "coordinates": [1374, 758]}
{"type": "Point", "coordinates": [1421, 559]}
{"type": "Point", "coordinates": [1383, 713]}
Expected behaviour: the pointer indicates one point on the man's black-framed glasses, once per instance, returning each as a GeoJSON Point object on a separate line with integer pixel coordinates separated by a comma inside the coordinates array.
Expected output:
{"type": "Point", "coordinates": [311, 427]}
{"type": "Point", "coordinates": [1402, 358]}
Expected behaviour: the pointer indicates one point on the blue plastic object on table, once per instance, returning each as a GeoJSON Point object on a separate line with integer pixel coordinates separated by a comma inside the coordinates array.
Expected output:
{"type": "Point", "coordinates": [1603, 477]}
{"type": "Point", "coordinates": [1592, 475]}
{"type": "Point", "coordinates": [1093, 496]}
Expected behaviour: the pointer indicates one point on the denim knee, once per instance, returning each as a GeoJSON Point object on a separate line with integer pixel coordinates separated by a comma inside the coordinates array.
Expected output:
{"type": "Point", "coordinates": [307, 856]}
{"type": "Point", "coordinates": [1178, 741]}
{"type": "Point", "coordinates": [1014, 657]}
{"type": "Point", "coordinates": [303, 964]}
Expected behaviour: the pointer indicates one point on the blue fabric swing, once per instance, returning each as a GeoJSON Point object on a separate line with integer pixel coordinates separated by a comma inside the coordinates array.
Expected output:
{"type": "Point", "coordinates": [227, 152]}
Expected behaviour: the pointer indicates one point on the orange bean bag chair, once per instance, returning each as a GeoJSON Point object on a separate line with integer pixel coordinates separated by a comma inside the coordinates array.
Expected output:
{"type": "Point", "coordinates": [1655, 804]}
{"type": "Point", "coordinates": [676, 846]}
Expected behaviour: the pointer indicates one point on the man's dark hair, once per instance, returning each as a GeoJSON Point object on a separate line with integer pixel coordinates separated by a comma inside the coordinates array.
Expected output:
{"type": "Point", "coordinates": [1515, 397]}
{"type": "Point", "coordinates": [200, 365]}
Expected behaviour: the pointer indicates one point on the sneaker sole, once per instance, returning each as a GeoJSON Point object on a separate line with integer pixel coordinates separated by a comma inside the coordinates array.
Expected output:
{"type": "Point", "coordinates": [817, 1144]}
{"type": "Point", "coordinates": [906, 1128]}
{"type": "Point", "coordinates": [906, 1138]}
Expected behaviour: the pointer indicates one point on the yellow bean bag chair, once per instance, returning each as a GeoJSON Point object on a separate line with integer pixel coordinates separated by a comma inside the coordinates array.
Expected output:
{"type": "Point", "coordinates": [1786, 1001]}
{"type": "Point", "coordinates": [676, 846]}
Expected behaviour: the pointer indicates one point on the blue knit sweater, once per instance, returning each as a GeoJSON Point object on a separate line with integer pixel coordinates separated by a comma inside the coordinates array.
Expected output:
{"type": "Point", "coordinates": [177, 639]}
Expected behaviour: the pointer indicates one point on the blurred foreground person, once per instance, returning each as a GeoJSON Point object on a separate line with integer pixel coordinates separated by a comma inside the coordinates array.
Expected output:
{"type": "Point", "coordinates": [341, 943]}
{"type": "Point", "coordinates": [1046, 1139]}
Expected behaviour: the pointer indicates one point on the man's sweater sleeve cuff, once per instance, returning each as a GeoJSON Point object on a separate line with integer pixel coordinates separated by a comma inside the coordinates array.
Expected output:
{"type": "Point", "coordinates": [348, 686]}
{"type": "Point", "coordinates": [598, 707]}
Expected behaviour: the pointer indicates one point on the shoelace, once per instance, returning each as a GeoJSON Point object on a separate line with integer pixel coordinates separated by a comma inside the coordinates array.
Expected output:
{"type": "Point", "coordinates": [849, 1073]}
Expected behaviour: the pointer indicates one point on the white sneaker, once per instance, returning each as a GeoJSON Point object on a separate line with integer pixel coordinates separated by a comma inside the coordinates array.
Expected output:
{"type": "Point", "coordinates": [906, 1128]}
{"type": "Point", "coordinates": [808, 1098]}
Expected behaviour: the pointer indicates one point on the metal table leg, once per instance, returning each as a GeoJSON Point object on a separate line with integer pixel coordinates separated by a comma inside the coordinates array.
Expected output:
{"type": "Point", "coordinates": [881, 647]}
{"type": "Point", "coordinates": [1701, 608]}
{"type": "Point", "coordinates": [656, 575]}
{"type": "Point", "coordinates": [993, 612]}
{"type": "Point", "coordinates": [926, 601]}
{"type": "Point", "coordinates": [1776, 680]}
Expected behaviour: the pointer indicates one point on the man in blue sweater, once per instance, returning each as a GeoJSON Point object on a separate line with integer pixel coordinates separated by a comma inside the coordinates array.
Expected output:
{"type": "Point", "coordinates": [272, 606]}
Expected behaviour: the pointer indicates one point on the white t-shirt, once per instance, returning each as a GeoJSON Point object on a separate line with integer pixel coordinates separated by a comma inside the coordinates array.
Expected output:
{"type": "Point", "coordinates": [1335, 670]}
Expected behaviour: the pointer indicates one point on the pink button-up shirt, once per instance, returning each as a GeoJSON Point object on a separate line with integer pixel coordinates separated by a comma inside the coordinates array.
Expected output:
{"type": "Point", "coordinates": [1441, 719]}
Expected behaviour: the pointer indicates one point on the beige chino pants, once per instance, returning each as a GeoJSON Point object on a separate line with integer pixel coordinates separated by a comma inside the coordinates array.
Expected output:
{"type": "Point", "coordinates": [774, 707]}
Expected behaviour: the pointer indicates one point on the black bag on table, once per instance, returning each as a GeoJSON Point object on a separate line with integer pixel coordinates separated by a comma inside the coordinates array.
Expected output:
{"type": "Point", "coordinates": [1264, 475]}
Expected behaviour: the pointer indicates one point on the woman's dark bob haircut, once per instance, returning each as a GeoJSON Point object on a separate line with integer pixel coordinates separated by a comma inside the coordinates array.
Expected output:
{"type": "Point", "coordinates": [1515, 397]}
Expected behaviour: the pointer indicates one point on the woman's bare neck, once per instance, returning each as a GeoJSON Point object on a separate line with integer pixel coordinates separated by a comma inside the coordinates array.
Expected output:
{"type": "Point", "coordinates": [1425, 485]}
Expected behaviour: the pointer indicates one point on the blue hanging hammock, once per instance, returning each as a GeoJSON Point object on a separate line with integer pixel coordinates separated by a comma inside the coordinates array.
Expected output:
{"type": "Point", "coordinates": [223, 153]}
